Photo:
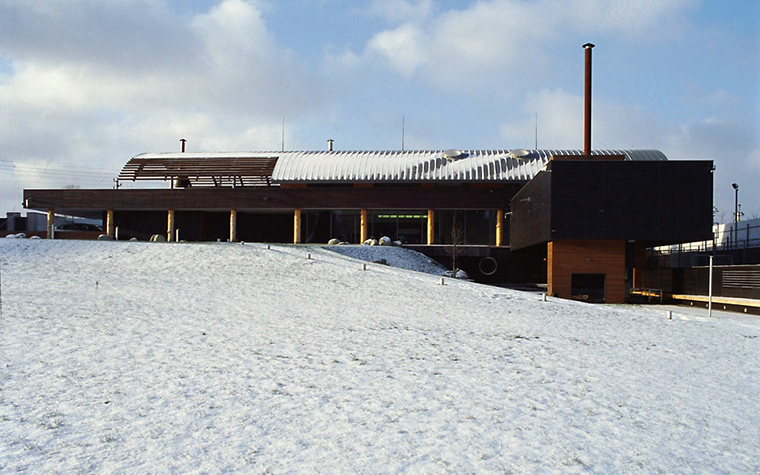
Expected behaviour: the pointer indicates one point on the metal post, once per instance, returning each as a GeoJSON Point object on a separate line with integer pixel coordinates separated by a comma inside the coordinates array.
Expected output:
{"type": "Point", "coordinates": [587, 103]}
{"type": "Point", "coordinates": [710, 290]}
{"type": "Point", "coordinates": [736, 213]}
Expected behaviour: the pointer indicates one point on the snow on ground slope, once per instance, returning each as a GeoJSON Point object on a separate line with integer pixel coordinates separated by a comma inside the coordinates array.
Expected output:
{"type": "Point", "coordinates": [392, 256]}
{"type": "Point", "coordinates": [207, 358]}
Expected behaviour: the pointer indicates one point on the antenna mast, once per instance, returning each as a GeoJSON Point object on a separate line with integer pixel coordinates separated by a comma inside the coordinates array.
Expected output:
{"type": "Point", "coordinates": [403, 131]}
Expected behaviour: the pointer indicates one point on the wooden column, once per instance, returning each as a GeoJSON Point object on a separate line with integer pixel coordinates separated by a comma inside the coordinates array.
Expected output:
{"type": "Point", "coordinates": [297, 226]}
{"type": "Point", "coordinates": [364, 235]}
{"type": "Point", "coordinates": [499, 227]}
{"type": "Point", "coordinates": [639, 262]}
{"type": "Point", "coordinates": [233, 225]}
{"type": "Point", "coordinates": [110, 224]}
{"type": "Point", "coordinates": [431, 227]}
{"type": "Point", "coordinates": [51, 224]}
{"type": "Point", "coordinates": [170, 226]}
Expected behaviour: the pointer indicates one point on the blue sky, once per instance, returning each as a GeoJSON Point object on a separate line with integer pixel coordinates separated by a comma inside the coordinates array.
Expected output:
{"type": "Point", "coordinates": [85, 85]}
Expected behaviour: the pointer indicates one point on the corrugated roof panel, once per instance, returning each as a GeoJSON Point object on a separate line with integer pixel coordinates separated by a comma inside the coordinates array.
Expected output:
{"type": "Point", "coordinates": [406, 166]}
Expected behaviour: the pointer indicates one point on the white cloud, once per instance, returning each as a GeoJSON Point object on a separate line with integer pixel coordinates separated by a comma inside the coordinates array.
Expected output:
{"type": "Point", "coordinates": [559, 117]}
{"type": "Point", "coordinates": [510, 41]}
{"type": "Point", "coordinates": [229, 62]}
{"type": "Point", "coordinates": [401, 48]}
{"type": "Point", "coordinates": [98, 82]}
{"type": "Point", "coordinates": [624, 17]}
{"type": "Point", "coordinates": [732, 146]}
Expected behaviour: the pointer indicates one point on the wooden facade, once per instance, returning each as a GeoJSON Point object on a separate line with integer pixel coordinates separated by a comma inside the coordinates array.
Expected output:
{"type": "Point", "coordinates": [567, 259]}
{"type": "Point", "coordinates": [597, 216]}
{"type": "Point", "coordinates": [579, 221]}
{"type": "Point", "coordinates": [275, 198]}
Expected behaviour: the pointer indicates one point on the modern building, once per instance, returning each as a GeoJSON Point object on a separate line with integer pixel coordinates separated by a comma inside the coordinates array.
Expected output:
{"type": "Point", "coordinates": [579, 221]}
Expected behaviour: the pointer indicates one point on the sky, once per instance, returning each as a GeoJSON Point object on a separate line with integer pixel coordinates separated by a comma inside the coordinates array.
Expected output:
{"type": "Point", "coordinates": [85, 85]}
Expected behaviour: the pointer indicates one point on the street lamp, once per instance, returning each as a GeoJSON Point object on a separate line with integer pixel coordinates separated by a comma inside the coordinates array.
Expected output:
{"type": "Point", "coordinates": [736, 213]}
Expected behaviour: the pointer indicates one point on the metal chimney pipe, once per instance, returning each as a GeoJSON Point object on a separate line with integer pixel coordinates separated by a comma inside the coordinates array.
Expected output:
{"type": "Point", "coordinates": [330, 145]}
{"type": "Point", "coordinates": [182, 141]}
{"type": "Point", "coordinates": [587, 103]}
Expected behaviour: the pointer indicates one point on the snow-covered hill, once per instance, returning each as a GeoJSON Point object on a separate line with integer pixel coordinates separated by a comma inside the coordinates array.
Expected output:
{"type": "Point", "coordinates": [205, 358]}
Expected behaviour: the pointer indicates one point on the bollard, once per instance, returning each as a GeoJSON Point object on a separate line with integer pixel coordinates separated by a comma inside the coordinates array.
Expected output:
{"type": "Point", "coordinates": [442, 281]}
{"type": "Point", "coordinates": [364, 266]}
{"type": "Point", "coordinates": [543, 297]}
{"type": "Point", "coordinates": [670, 315]}
{"type": "Point", "coordinates": [268, 247]}
{"type": "Point", "coordinates": [308, 256]}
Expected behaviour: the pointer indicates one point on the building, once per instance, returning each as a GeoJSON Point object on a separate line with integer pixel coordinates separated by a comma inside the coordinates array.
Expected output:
{"type": "Point", "coordinates": [579, 221]}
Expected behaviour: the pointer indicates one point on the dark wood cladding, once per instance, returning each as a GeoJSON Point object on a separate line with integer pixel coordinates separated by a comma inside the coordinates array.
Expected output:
{"type": "Point", "coordinates": [565, 258]}
{"type": "Point", "coordinates": [206, 171]}
{"type": "Point", "coordinates": [656, 201]}
{"type": "Point", "coordinates": [530, 221]}
{"type": "Point", "coordinates": [728, 281]}
{"type": "Point", "coordinates": [648, 201]}
{"type": "Point", "coordinates": [273, 198]}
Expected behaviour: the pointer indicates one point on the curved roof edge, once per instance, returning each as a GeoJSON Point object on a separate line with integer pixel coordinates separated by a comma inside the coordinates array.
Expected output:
{"type": "Point", "coordinates": [507, 165]}
{"type": "Point", "coordinates": [515, 165]}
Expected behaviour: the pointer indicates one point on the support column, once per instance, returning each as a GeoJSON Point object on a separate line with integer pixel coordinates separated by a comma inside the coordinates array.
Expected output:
{"type": "Point", "coordinates": [110, 224]}
{"type": "Point", "coordinates": [499, 227]}
{"type": "Point", "coordinates": [233, 225]}
{"type": "Point", "coordinates": [297, 226]}
{"type": "Point", "coordinates": [51, 224]}
{"type": "Point", "coordinates": [364, 235]}
{"type": "Point", "coordinates": [639, 263]}
{"type": "Point", "coordinates": [170, 226]}
{"type": "Point", "coordinates": [431, 227]}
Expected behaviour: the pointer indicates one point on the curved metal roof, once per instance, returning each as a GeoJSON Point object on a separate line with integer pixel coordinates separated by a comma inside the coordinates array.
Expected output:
{"type": "Point", "coordinates": [426, 166]}
{"type": "Point", "coordinates": [416, 166]}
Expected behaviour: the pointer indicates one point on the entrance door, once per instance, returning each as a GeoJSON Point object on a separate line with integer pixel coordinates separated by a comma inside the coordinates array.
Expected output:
{"type": "Point", "coordinates": [588, 287]}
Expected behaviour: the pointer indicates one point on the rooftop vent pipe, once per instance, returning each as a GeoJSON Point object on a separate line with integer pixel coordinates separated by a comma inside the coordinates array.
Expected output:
{"type": "Point", "coordinates": [330, 145]}
{"type": "Point", "coordinates": [587, 103]}
{"type": "Point", "coordinates": [182, 147]}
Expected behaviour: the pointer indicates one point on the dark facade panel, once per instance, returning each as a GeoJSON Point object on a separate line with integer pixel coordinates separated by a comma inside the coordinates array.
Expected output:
{"type": "Point", "coordinates": [662, 202]}
{"type": "Point", "coordinates": [530, 221]}
{"type": "Point", "coordinates": [273, 198]}
{"type": "Point", "coordinates": [658, 202]}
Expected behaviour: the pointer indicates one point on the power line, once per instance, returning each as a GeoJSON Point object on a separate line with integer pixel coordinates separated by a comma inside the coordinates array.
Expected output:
{"type": "Point", "coordinates": [52, 171]}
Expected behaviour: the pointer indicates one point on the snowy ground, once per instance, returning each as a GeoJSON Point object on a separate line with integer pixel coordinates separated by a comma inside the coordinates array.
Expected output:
{"type": "Point", "coordinates": [206, 358]}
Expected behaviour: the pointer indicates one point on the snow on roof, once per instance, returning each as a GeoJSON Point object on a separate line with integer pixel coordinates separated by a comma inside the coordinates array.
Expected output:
{"type": "Point", "coordinates": [408, 166]}
{"type": "Point", "coordinates": [431, 165]}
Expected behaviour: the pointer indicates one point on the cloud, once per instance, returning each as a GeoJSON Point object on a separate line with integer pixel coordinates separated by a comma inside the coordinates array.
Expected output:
{"type": "Point", "coordinates": [128, 35]}
{"type": "Point", "coordinates": [509, 41]}
{"type": "Point", "coordinates": [98, 82]}
{"type": "Point", "coordinates": [125, 62]}
{"type": "Point", "coordinates": [732, 145]}
{"type": "Point", "coordinates": [402, 48]}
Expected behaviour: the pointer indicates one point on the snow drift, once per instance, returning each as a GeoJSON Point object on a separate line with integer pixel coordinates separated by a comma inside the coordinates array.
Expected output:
{"type": "Point", "coordinates": [206, 358]}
